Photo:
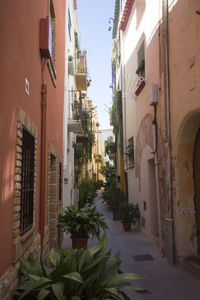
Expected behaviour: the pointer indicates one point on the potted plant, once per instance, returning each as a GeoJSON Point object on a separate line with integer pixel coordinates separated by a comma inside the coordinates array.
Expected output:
{"type": "Point", "coordinates": [110, 146]}
{"type": "Point", "coordinates": [81, 223]}
{"type": "Point", "coordinates": [76, 275]}
{"type": "Point", "coordinates": [115, 199]}
{"type": "Point", "coordinates": [129, 214]}
{"type": "Point", "coordinates": [98, 158]}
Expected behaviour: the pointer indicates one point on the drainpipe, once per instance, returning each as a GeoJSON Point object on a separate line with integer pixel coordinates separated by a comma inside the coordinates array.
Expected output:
{"type": "Point", "coordinates": [156, 163]}
{"type": "Point", "coordinates": [169, 219]}
{"type": "Point", "coordinates": [43, 163]}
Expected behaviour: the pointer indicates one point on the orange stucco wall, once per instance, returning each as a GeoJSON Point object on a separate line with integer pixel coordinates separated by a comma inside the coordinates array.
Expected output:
{"type": "Point", "coordinates": [20, 59]}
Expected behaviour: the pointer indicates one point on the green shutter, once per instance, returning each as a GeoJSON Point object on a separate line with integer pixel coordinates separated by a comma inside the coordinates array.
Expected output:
{"type": "Point", "coordinates": [76, 40]}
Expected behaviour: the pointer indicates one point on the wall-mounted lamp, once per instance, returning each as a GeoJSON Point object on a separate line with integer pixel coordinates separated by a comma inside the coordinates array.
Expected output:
{"type": "Point", "coordinates": [110, 27]}
{"type": "Point", "coordinates": [88, 81]}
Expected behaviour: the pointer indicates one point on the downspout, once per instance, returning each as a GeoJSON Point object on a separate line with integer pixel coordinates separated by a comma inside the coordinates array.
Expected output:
{"type": "Point", "coordinates": [169, 219]}
{"type": "Point", "coordinates": [156, 163]}
{"type": "Point", "coordinates": [43, 161]}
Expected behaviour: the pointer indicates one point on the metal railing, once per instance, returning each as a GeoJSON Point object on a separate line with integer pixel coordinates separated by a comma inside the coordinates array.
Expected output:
{"type": "Point", "coordinates": [81, 63]}
{"type": "Point", "coordinates": [76, 106]}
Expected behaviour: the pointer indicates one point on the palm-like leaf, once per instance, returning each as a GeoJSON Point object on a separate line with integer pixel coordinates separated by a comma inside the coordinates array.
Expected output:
{"type": "Point", "coordinates": [77, 275]}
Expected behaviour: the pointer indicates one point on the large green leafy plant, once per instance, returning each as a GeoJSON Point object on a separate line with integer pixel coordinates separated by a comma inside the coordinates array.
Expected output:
{"type": "Point", "coordinates": [76, 275]}
{"type": "Point", "coordinates": [87, 192]}
{"type": "Point", "coordinates": [110, 146]}
{"type": "Point", "coordinates": [109, 172]}
{"type": "Point", "coordinates": [82, 222]}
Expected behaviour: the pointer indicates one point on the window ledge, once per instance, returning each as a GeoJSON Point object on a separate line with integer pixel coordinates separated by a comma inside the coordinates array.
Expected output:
{"type": "Point", "coordinates": [26, 235]}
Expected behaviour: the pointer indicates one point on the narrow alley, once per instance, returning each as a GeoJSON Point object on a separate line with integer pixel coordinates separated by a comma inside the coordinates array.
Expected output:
{"type": "Point", "coordinates": [139, 255]}
{"type": "Point", "coordinates": [100, 95]}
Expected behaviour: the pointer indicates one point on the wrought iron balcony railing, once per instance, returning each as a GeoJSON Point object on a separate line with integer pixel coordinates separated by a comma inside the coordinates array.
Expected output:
{"type": "Point", "coordinates": [75, 112]}
{"type": "Point", "coordinates": [81, 71]}
{"type": "Point", "coordinates": [81, 63]}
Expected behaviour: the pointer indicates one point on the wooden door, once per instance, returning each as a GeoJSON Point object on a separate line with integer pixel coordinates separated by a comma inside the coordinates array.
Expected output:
{"type": "Point", "coordinates": [196, 168]}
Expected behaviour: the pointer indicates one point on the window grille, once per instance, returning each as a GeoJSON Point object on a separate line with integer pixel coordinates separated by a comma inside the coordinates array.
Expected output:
{"type": "Point", "coordinates": [141, 61]}
{"type": "Point", "coordinates": [130, 152]}
{"type": "Point", "coordinates": [69, 24]}
{"type": "Point", "coordinates": [27, 181]}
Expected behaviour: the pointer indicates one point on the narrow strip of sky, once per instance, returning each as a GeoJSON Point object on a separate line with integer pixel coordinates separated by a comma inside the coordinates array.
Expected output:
{"type": "Point", "coordinates": [93, 19]}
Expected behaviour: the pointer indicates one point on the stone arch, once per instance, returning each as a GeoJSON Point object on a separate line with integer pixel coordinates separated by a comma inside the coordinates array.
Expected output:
{"type": "Point", "coordinates": [183, 186]}
{"type": "Point", "coordinates": [144, 137]}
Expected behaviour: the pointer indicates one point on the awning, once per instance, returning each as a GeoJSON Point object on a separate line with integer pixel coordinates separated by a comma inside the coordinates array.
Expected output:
{"type": "Point", "coordinates": [126, 14]}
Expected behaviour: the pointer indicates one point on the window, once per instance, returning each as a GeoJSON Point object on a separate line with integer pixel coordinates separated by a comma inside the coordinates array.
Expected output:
{"type": "Point", "coordinates": [52, 42]}
{"type": "Point", "coordinates": [141, 62]}
{"type": "Point", "coordinates": [76, 40]}
{"type": "Point", "coordinates": [130, 152]}
{"type": "Point", "coordinates": [60, 181]}
{"type": "Point", "coordinates": [27, 181]}
{"type": "Point", "coordinates": [69, 25]}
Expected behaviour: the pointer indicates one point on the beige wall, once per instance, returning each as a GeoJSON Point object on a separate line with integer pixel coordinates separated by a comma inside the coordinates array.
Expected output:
{"type": "Point", "coordinates": [138, 115]}
{"type": "Point", "coordinates": [184, 62]}
{"type": "Point", "coordinates": [185, 121]}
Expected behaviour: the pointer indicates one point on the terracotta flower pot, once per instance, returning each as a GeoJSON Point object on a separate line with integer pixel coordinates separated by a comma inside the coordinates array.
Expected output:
{"type": "Point", "coordinates": [79, 242]}
{"type": "Point", "coordinates": [127, 226]}
{"type": "Point", "coordinates": [115, 215]}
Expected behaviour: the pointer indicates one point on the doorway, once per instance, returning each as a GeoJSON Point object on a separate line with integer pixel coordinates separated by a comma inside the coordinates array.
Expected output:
{"type": "Point", "coordinates": [52, 202]}
{"type": "Point", "coordinates": [152, 198]}
{"type": "Point", "coordinates": [196, 175]}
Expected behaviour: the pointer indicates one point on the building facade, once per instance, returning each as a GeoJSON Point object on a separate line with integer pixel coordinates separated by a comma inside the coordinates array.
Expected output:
{"type": "Point", "coordinates": [155, 68]}
{"type": "Point", "coordinates": [31, 93]}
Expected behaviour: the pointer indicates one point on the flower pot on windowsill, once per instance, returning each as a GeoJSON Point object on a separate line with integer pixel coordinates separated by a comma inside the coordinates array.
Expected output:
{"type": "Point", "coordinates": [140, 87]}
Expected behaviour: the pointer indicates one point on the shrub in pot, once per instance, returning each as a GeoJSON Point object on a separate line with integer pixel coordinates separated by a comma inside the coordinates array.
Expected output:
{"type": "Point", "coordinates": [87, 192]}
{"type": "Point", "coordinates": [129, 214]}
{"type": "Point", "coordinates": [81, 223]}
{"type": "Point", "coordinates": [116, 199]}
{"type": "Point", "coordinates": [76, 275]}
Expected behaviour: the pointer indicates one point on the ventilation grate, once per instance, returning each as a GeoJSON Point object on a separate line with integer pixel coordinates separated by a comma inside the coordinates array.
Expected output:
{"type": "Point", "coordinates": [143, 257]}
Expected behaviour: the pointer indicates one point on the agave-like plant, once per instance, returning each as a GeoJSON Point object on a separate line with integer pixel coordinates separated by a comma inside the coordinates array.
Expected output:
{"type": "Point", "coordinates": [82, 222]}
{"type": "Point", "coordinates": [76, 275]}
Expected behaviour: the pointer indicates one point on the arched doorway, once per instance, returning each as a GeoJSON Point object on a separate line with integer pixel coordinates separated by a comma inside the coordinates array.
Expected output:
{"type": "Point", "coordinates": [186, 186]}
{"type": "Point", "coordinates": [196, 174]}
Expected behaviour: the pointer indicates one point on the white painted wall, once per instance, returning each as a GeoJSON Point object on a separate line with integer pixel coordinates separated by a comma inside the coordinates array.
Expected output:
{"type": "Point", "coordinates": [142, 26]}
{"type": "Point", "coordinates": [69, 196]}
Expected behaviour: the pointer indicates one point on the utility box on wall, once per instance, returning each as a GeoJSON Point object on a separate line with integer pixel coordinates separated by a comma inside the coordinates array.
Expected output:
{"type": "Point", "coordinates": [46, 37]}
{"type": "Point", "coordinates": [154, 94]}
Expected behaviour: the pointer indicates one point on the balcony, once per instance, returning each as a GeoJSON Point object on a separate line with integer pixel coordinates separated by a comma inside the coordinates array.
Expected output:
{"type": "Point", "coordinates": [81, 138]}
{"type": "Point", "coordinates": [81, 71]}
{"type": "Point", "coordinates": [75, 116]}
{"type": "Point", "coordinates": [98, 158]}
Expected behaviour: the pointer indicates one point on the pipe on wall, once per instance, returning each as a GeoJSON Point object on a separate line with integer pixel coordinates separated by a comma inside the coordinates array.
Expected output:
{"type": "Point", "coordinates": [156, 163]}
{"type": "Point", "coordinates": [43, 163]}
{"type": "Point", "coordinates": [169, 219]}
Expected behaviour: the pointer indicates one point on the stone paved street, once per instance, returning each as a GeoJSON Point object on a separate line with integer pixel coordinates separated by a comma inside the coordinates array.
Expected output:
{"type": "Point", "coordinates": [165, 282]}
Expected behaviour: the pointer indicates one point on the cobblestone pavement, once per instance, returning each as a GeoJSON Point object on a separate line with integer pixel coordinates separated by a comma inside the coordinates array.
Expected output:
{"type": "Point", "coordinates": [165, 282]}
